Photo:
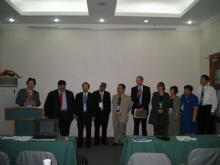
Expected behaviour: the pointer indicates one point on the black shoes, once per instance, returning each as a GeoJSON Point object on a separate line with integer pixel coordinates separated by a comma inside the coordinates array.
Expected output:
{"type": "Point", "coordinates": [88, 145]}
{"type": "Point", "coordinates": [105, 143]}
{"type": "Point", "coordinates": [79, 145]}
{"type": "Point", "coordinates": [114, 144]}
{"type": "Point", "coordinates": [95, 144]}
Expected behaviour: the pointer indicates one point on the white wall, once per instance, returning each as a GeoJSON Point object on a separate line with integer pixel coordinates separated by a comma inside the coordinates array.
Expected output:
{"type": "Point", "coordinates": [112, 56]}
{"type": "Point", "coordinates": [209, 44]}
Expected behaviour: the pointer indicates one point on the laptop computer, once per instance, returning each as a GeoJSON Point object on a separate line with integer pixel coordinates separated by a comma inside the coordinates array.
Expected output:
{"type": "Point", "coordinates": [46, 130]}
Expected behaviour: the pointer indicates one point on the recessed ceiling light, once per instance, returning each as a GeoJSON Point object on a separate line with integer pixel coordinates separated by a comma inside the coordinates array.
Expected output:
{"type": "Point", "coordinates": [56, 20]}
{"type": "Point", "coordinates": [11, 20]}
{"type": "Point", "coordinates": [101, 20]}
{"type": "Point", "coordinates": [101, 3]}
{"type": "Point", "coordinates": [146, 21]}
{"type": "Point", "coordinates": [189, 22]}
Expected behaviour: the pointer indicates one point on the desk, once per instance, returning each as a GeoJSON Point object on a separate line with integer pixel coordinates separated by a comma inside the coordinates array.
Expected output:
{"type": "Point", "coordinates": [65, 152]}
{"type": "Point", "coordinates": [177, 151]}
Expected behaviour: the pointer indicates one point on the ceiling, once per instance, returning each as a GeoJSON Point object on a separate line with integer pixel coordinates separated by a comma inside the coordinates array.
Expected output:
{"type": "Point", "coordinates": [117, 14]}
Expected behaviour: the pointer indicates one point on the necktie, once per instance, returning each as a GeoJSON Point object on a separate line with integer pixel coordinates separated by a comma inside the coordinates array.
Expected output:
{"type": "Point", "coordinates": [61, 99]}
{"type": "Point", "coordinates": [102, 96]}
{"type": "Point", "coordinates": [202, 96]}
{"type": "Point", "coordinates": [85, 99]}
{"type": "Point", "coordinates": [30, 93]}
{"type": "Point", "coordinates": [119, 100]}
{"type": "Point", "coordinates": [140, 96]}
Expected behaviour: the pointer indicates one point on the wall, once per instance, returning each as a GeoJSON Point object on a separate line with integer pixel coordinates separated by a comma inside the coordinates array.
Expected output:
{"type": "Point", "coordinates": [112, 56]}
{"type": "Point", "coordinates": [209, 44]}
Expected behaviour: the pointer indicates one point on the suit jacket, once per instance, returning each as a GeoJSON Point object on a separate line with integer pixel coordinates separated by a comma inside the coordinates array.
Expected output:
{"type": "Point", "coordinates": [106, 102]}
{"type": "Point", "coordinates": [52, 106]}
{"type": "Point", "coordinates": [126, 105]}
{"type": "Point", "coordinates": [91, 108]}
{"type": "Point", "coordinates": [22, 98]}
{"type": "Point", "coordinates": [155, 117]}
{"type": "Point", "coordinates": [145, 98]}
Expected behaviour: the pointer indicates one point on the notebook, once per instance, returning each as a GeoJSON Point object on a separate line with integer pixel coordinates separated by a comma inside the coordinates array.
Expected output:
{"type": "Point", "coordinates": [46, 130]}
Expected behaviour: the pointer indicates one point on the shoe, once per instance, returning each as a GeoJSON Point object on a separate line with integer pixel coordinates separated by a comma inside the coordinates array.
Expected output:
{"type": "Point", "coordinates": [88, 145]}
{"type": "Point", "coordinates": [95, 144]}
{"type": "Point", "coordinates": [79, 145]}
{"type": "Point", "coordinates": [114, 144]}
{"type": "Point", "coordinates": [122, 144]}
{"type": "Point", "coordinates": [105, 143]}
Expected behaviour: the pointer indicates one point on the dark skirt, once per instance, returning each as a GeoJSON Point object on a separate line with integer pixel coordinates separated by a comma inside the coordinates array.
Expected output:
{"type": "Point", "coordinates": [187, 126]}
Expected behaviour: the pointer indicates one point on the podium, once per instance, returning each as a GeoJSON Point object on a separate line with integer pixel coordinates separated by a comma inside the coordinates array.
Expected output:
{"type": "Point", "coordinates": [24, 118]}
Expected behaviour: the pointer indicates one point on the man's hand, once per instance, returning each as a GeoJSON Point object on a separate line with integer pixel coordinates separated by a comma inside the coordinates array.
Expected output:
{"type": "Point", "coordinates": [93, 118]}
{"type": "Point", "coordinates": [175, 118]}
{"type": "Point", "coordinates": [141, 109]}
{"type": "Point", "coordinates": [160, 111]}
{"type": "Point", "coordinates": [212, 113]}
{"type": "Point", "coordinates": [46, 117]}
{"type": "Point", "coordinates": [139, 93]}
{"type": "Point", "coordinates": [118, 113]}
{"type": "Point", "coordinates": [33, 102]}
{"type": "Point", "coordinates": [194, 119]}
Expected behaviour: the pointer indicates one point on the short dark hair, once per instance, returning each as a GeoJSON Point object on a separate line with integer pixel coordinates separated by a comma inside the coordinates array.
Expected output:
{"type": "Point", "coordinates": [31, 79]}
{"type": "Point", "coordinates": [61, 82]}
{"type": "Point", "coordinates": [103, 84]}
{"type": "Point", "coordinates": [161, 84]}
{"type": "Point", "coordinates": [86, 83]}
{"type": "Point", "coordinates": [122, 85]}
{"type": "Point", "coordinates": [142, 79]}
{"type": "Point", "coordinates": [175, 88]}
{"type": "Point", "coordinates": [206, 77]}
{"type": "Point", "coordinates": [189, 87]}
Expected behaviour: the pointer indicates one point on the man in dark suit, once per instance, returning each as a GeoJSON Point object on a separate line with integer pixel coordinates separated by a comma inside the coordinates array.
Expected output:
{"type": "Point", "coordinates": [85, 114]}
{"type": "Point", "coordinates": [140, 96]}
{"type": "Point", "coordinates": [103, 109]}
{"type": "Point", "coordinates": [60, 105]}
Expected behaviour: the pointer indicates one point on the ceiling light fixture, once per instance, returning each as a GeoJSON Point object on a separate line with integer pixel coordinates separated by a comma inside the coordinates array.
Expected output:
{"type": "Point", "coordinates": [11, 20]}
{"type": "Point", "coordinates": [56, 20]}
{"type": "Point", "coordinates": [145, 21]}
{"type": "Point", "coordinates": [189, 22]}
{"type": "Point", "coordinates": [101, 20]}
{"type": "Point", "coordinates": [101, 3]}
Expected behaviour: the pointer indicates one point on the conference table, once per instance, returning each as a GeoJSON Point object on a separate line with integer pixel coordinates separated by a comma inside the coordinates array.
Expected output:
{"type": "Point", "coordinates": [177, 151]}
{"type": "Point", "coordinates": [64, 151]}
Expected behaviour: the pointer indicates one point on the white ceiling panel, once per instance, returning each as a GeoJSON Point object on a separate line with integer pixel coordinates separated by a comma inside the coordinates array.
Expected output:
{"type": "Point", "coordinates": [50, 7]}
{"type": "Point", "coordinates": [153, 8]}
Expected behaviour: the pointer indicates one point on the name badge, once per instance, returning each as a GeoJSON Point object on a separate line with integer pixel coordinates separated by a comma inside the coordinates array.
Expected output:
{"type": "Point", "coordinates": [117, 108]}
{"type": "Point", "coordinates": [84, 107]}
{"type": "Point", "coordinates": [160, 104]}
{"type": "Point", "coordinates": [100, 105]}
{"type": "Point", "coordinates": [182, 107]}
{"type": "Point", "coordinates": [170, 110]}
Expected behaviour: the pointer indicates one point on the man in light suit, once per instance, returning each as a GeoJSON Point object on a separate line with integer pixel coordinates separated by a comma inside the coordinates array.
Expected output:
{"type": "Point", "coordinates": [122, 104]}
{"type": "Point", "coordinates": [103, 109]}
{"type": "Point", "coordinates": [28, 97]}
{"type": "Point", "coordinates": [60, 105]}
{"type": "Point", "coordinates": [140, 96]}
{"type": "Point", "coordinates": [85, 114]}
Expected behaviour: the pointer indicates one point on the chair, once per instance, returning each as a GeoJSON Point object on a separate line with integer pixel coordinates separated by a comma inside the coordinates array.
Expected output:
{"type": "Point", "coordinates": [35, 158]}
{"type": "Point", "coordinates": [149, 159]}
{"type": "Point", "coordinates": [204, 156]}
{"type": "Point", "coordinates": [4, 160]}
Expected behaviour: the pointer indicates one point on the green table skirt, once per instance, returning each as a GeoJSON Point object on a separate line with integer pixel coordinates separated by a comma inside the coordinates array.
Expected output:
{"type": "Point", "coordinates": [177, 151]}
{"type": "Point", "coordinates": [65, 152]}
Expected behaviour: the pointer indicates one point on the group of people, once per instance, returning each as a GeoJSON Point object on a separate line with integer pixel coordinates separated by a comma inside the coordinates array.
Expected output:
{"type": "Point", "coordinates": [196, 112]}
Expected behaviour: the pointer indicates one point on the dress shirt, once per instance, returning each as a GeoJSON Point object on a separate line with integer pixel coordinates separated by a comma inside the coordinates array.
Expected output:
{"type": "Point", "coordinates": [209, 98]}
{"type": "Point", "coordinates": [64, 102]}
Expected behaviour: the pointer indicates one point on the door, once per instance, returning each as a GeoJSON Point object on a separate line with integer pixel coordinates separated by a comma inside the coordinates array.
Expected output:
{"type": "Point", "coordinates": [214, 72]}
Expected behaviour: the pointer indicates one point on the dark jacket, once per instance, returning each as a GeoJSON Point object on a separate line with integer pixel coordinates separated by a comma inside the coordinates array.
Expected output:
{"type": "Point", "coordinates": [155, 117]}
{"type": "Point", "coordinates": [106, 102]}
{"type": "Point", "coordinates": [52, 106]}
{"type": "Point", "coordinates": [145, 98]}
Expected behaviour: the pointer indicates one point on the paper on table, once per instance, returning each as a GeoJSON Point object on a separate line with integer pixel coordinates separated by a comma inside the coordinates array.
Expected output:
{"type": "Point", "coordinates": [185, 138]}
{"type": "Point", "coordinates": [140, 114]}
{"type": "Point", "coordinates": [23, 138]}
